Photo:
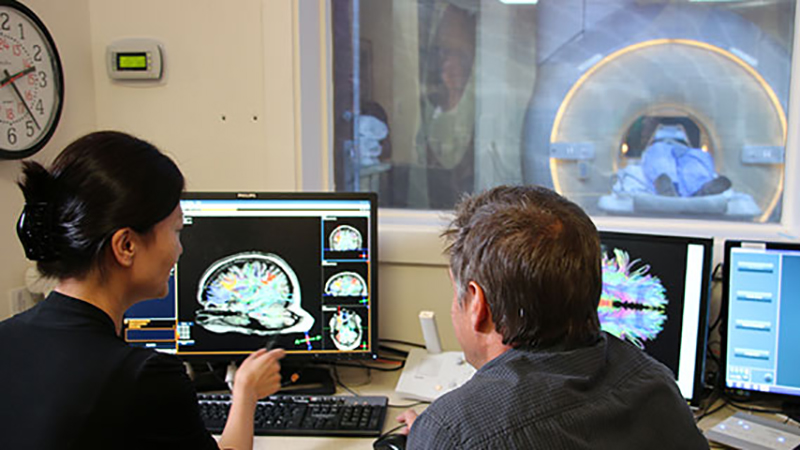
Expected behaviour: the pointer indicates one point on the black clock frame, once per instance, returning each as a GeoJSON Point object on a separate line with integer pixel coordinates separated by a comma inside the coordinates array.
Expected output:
{"type": "Point", "coordinates": [59, 75]}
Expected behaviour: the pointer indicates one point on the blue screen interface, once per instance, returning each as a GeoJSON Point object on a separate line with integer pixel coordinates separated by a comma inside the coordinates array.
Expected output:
{"type": "Point", "coordinates": [763, 316]}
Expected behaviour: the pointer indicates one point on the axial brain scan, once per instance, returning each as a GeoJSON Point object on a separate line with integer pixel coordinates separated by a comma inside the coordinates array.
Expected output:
{"type": "Point", "coordinates": [346, 329]}
{"type": "Point", "coordinates": [251, 293]}
{"type": "Point", "coordinates": [345, 238]}
{"type": "Point", "coordinates": [346, 284]}
{"type": "Point", "coordinates": [633, 302]}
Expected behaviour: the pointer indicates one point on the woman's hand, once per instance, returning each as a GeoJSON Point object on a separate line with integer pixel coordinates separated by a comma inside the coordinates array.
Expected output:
{"type": "Point", "coordinates": [259, 375]}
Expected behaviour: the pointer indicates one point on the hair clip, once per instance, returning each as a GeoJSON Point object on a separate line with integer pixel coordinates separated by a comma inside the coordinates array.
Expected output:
{"type": "Point", "coordinates": [35, 231]}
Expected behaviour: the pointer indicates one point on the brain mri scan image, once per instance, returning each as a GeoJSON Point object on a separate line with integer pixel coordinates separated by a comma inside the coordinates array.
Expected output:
{"type": "Point", "coordinates": [251, 293]}
{"type": "Point", "coordinates": [346, 329]}
{"type": "Point", "coordinates": [346, 284]}
{"type": "Point", "coordinates": [633, 302]}
{"type": "Point", "coordinates": [345, 238]}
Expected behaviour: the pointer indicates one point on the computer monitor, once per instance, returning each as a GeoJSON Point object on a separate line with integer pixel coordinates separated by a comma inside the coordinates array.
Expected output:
{"type": "Point", "coordinates": [655, 295]}
{"type": "Point", "coordinates": [761, 312]}
{"type": "Point", "coordinates": [290, 270]}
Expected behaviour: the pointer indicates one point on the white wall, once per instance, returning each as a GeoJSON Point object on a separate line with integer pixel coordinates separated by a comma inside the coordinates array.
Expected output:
{"type": "Point", "coordinates": [225, 109]}
{"type": "Point", "coordinates": [68, 23]}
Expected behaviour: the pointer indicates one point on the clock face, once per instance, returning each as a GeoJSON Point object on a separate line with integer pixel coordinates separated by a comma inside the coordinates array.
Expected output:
{"type": "Point", "coordinates": [31, 83]}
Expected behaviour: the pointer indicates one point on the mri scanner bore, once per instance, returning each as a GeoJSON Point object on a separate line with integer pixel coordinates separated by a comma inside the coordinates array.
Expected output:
{"type": "Point", "coordinates": [251, 293]}
{"type": "Point", "coordinates": [671, 174]}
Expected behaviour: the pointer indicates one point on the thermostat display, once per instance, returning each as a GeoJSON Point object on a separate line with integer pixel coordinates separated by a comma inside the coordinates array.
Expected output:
{"type": "Point", "coordinates": [131, 61]}
{"type": "Point", "coordinates": [134, 59]}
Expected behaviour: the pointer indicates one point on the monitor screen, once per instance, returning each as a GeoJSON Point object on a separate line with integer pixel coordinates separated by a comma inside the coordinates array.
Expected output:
{"type": "Point", "coordinates": [290, 270]}
{"type": "Point", "coordinates": [655, 295]}
{"type": "Point", "coordinates": [761, 308]}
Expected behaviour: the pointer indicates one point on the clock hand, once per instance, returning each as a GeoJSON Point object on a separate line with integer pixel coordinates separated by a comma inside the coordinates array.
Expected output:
{"type": "Point", "coordinates": [21, 98]}
{"type": "Point", "coordinates": [11, 78]}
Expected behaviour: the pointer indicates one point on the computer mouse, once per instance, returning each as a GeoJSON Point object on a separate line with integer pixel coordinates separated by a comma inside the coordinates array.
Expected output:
{"type": "Point", "coordinates": [393, 441]}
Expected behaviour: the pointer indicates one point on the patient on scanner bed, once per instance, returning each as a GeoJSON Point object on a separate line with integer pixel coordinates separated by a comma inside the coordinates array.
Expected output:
{"type": "Point", "coordinates": [673, 168]}
{"type": "Point", "coordinates": [674, 177]}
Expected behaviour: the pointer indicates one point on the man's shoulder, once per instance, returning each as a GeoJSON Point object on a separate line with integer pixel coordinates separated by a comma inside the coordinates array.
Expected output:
{"type": "Point", "coordinates": [627, 360]}
{"type": "Point", "coordinates": [556, 379]}
{"type": "Point", "coordinates": [500, 394]}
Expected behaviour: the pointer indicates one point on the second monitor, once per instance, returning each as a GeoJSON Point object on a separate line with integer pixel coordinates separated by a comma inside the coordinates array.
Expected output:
{"type": "Point", "coordinates": [655, 295]}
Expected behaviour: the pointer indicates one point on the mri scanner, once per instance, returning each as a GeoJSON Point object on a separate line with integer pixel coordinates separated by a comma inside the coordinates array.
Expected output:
{"type": "Point", "coordinates": [705, 66]}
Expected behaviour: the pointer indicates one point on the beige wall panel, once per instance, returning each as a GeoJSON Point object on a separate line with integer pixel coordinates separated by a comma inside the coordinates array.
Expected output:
{"type": "Point", "coordinates": [224, 109]}
{"type": "Point", "coordinates": [405, 290]}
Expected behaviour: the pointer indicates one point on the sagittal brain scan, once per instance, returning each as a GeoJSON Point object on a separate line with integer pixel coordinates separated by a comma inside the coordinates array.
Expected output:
{"type": "Point", "coordinates": [634, 302]}
{"type": "Point", "coordinates": [346, 329]}
{"type": "Point", "coordinates": [345, 238]}
{"type": "Point", "coordinates": [346, 284]}
{"type": "Point", "coordinates": [251, 293]}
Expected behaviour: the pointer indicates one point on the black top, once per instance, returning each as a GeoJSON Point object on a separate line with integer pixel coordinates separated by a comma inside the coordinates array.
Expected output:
{"type": "Point", "coordinates": [69, 382]}
{"type": "Point", "coordinates": [609, 395]}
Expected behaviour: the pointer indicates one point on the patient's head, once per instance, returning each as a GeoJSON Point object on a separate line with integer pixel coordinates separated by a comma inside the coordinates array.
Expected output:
{"type": "Point", "coordinates": [536, 255]}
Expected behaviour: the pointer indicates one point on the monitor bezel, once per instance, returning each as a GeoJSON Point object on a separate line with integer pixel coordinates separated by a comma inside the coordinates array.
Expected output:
{"type": "Point", "coordinates": [723, 331]}
{"type": "Point", "coordinates": [698, 381]}
{"type": "Point", "coordinates": [303, 358]}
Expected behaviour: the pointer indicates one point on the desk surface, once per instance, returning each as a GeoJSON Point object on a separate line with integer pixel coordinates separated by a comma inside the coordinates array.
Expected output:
{"type": "Point", "coordinates": [383, 383]}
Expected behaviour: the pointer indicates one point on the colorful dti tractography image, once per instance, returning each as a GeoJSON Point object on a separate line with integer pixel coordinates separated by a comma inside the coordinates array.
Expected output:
{"type": "Point", "coordinates": [633, 303]}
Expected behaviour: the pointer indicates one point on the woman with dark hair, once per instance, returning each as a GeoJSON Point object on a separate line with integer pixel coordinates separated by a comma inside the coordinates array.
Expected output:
{"type": "Point", "coordinates": [105, 220]}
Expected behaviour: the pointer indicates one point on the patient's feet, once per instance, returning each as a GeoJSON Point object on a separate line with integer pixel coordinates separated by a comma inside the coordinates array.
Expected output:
{"type": "Point", "coordinates": [664, 186]}
{"type": "Point", "coordinates": [716, 186]}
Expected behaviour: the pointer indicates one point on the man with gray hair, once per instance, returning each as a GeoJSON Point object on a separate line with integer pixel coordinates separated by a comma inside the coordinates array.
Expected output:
{"type": "Point", "coordinates": [525, 267]}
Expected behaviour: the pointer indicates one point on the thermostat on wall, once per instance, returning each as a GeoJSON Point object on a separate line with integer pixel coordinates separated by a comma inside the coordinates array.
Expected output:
{"type": "Point", "coordinates": [134, 59]}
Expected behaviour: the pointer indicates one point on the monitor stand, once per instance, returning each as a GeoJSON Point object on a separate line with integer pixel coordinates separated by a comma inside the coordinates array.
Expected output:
{"type": "Point", "coordinates": [295, 379]}
{"type": "Point", "coordinates": [306, 380]}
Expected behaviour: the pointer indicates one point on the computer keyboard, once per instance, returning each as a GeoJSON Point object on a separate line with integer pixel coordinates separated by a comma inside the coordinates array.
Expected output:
{"type": "Point", "coordinates": [303, 415]}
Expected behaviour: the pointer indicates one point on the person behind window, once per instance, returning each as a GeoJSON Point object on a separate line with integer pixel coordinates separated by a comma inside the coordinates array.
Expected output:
{"type": "Point", "coordinates": [105, 220]}
{"type": "Point", "coordinates": [525, 268]}
{"type": "Point", "coordinates": [446, 138]}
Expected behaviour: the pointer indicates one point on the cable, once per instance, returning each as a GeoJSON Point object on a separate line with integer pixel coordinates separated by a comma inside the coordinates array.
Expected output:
{"type": "Point", "coordinates": [708, 413]}
{"type": "Point", "coordinates": [410, 405]}
{"type": "Point", "coordinates": [396, 351]}
{"type": "Point", "coordinates": [714, 276]}
{"type": "Point", "coordinates": [716, 323]}
{"type": "Point", "coordinates": [390, 360]}
{"type": "Point", "coordinates": [339, 382]}
{"type": "Point", "coordinates": [397, 341]}
{"type": "Point", "coordinates": [741, 404]}
{"type": "Point", "coordinates": [392, 430]}
{"type": "Point", "coordinates": [758, 410]}
{"type": "Point", "coordinates": [213, 372]}
{"type": "Point", "coordinates": [364, 366]}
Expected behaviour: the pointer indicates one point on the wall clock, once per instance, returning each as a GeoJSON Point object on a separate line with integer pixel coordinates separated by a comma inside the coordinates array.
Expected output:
{"type": "Point", "coordinates": [31, 82]}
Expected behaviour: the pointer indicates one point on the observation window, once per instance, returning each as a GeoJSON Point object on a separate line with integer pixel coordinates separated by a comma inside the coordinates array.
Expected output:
{"type": "Point", "coordinates": [657, 108]}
